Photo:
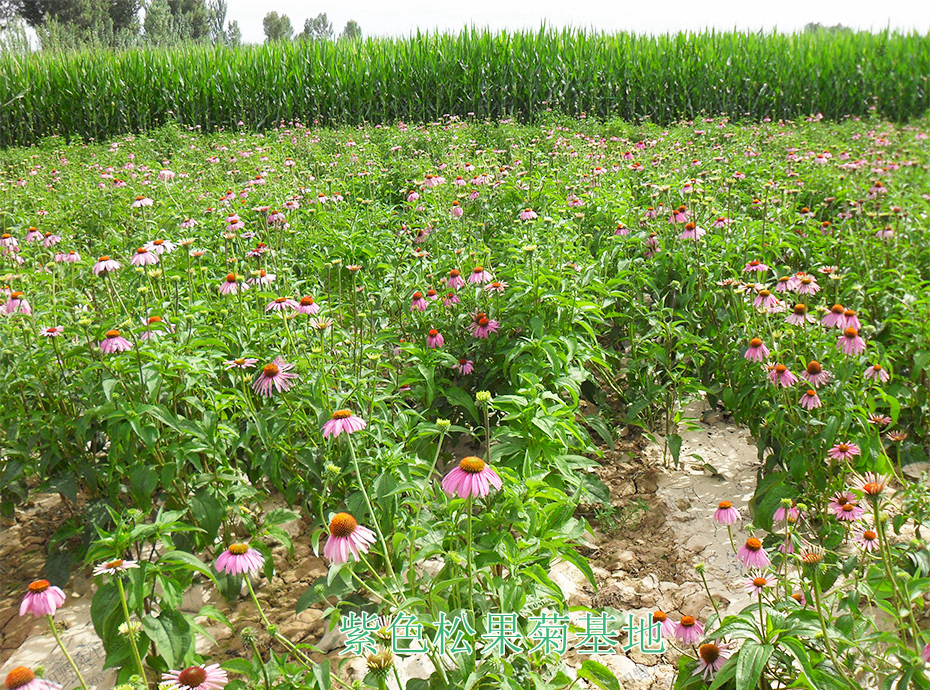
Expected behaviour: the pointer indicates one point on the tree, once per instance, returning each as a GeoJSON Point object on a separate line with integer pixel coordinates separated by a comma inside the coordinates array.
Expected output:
{"type": "Point", "coordinates": [352, 32]}
{"type": "Point", "coordinates": [317, 29]}
{"type": "Point", "coordinates": [233, 34]}
{"type": "Point", "coordinates": [277, 28]}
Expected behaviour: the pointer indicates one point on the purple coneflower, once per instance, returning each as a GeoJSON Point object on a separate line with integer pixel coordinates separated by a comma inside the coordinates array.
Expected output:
{"type": "Point", "coordinates": [780, 376]}
{"type": "Point", "coordinates": [768, 302]}
{"type": "Point", "coordinates": [876, 371]}
{"type": "Point", "coordinates": [471, 478]}
{"type": "Point", "coordinates": [692, 232]}
{"type": "Point", "coordinates": [51, 332]}
{"type": "Point", "coordinates": [33, 235]}
{"type": "Point", "coordinates": [528, 214]}
{"type": "Point", "coordinates": [679, 215]}
{"type": "Point", "coordinates": [711, 658]}
{"type": "Point", "coordinates": [850, 342]}
{"type": "Point", "coordinates": [42, 599]}
{"type": "Point", "coordinates": [262, 278]}
{"type": "Point", "coordinates": [464, 367]}
{"type": "Point", "coordinates": [454, 281]}
{"type": "Point", "coordinates": [497, 286]}
{"type": "Point", "coordinates": [757, 351]}
{"type": "Point", "coordinates": [141, 202]}
{"type": "Point", "coordinates": [783, 284]}
{"type": "Point", "coordinates": [210, 677]}
{"type": "Point", "coordinates": [456, 210]}
{"type": "Point", "coordinates": [815, 374]}
{"type": "Point", "coordinates": [417, 302]}
{"type": "Point", "coordinates": [689, 630]}
{"type": "Point", "coordinates": [17, 304]}
{"type": "Point", "coordinates": [276, 376]}
{"type": "Point", "coordinates": [308, 306]}
{"type": "Point", "coordinates": [790, 514]}
{"type": "Point", "coordinates": [7, 241]}
{"type": "Point", "coordinates": [281, 304]}
{"type": "Point", "coordinates": [852, 321]}
{"type": "Point", "coordinates": [115, 566]}
{"type": "Point", "coordinates": [22, 678]}
{"type": "Point", "coordinates": [450, 299]}
{"type": "Point", "coordinates": [753, 555]}
{"type": "Point", "coordinates": [50, 240]}
{"type": "Point", "coordinates": [867, 539]}
{"type": "Point", "coordinates": [241, 363]}
{"type": "Point", "coordinates": [834, 318]}
{"type": "Point", "coordinates": [810, 400]}
{"type": "Point", "coordinates": [843, 451]}
{"type": "Point", "coordinates": [757, 585]}
{"type": "Point", "coordinates": [70, 257]}
{"type": "Point", "coordinates": [479, 276]}
{"type": "Point", "coordinates": [154, 325]}
{"type": "Point", "coordinates": [755, 265]}
{"type": "Point", "coordinates": [726, 514]}
{"type": "Point", "coordinates": [343, 421]}
{"type": "Point", "coordinates": [105, 265]}
{"type": "Point", "coordinates": [482, 326]}
{"type": "Point", "coordinates": [666, 626]}
{"type": "Point", "coordinates": [879, 419]}
{"type": "Point", "coordinates": [232, 285]}
{"type": "Point", "coordinates": [800, 316]}
{"type": "Point", "coordinates": [434, 339]}
{"type": "Point", "coordinates": [850, 511]}
{"type": "Point", "coordinates": [872, 485]}
{"type": "Point", "coordinates": [807, 285]}
{"type": "Point", "coordinates": [143, 257]}
{"type": "Point", "coordinates": [160, 246]}
{"type": "Point", "coordinates": [347, 537]}
{"type": "Point", "coordinates": [114, 342]}
{"type": "Point", "coordinates": [240, 559]}
{"type": "Point", "coordinates": [431, 294]}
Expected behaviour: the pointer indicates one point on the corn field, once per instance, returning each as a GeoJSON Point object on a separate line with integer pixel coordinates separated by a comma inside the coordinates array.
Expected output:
{"type": "Point", "coordinates": [99, 94]}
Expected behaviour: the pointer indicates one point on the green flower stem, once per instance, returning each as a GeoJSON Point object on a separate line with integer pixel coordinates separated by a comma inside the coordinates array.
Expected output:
{"type": "Point", "coordinates": [416, 520]}
{"type": "Point", "coordinates": [371, 511]}
{"type": "Point", "coordinates": [823, 627]}
{"type": "Point", "coordinates": [707, 589]}
{"type": "Point", "coordinates": [262, 660]}
{"type": "Point", "coordinates": [388, 594]}
{"type": "Point", "coordinates": [471, 595]}
{"type": "Point", "coordinates": [132, 639]}
{"type": "Point", "coordinates": [762, 632]}
{"type": "Point", "coordinates": [886, 562]}
{"type": "Point", "coordinates": [272, 630]}
{"type": "Point", "coordinates": [51, 622]}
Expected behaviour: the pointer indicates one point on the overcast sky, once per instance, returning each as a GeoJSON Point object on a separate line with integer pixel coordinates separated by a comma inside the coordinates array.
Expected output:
{"type": "Point", "coordinates": [400, 18]}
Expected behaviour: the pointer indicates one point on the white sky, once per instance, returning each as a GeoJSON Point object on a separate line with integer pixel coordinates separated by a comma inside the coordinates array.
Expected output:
{"type": "Point", "coordinates": [401, 17]}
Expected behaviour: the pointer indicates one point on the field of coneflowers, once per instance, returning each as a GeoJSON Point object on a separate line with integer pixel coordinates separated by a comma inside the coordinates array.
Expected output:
{"type": "Point", "coordinates": [195, 322]}
{"type": "Point", "coordinates": [430, 76]}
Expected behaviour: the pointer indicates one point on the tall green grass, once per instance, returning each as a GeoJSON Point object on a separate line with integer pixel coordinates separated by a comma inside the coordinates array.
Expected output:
{"type": "Point", "coordinates": [664, 78]}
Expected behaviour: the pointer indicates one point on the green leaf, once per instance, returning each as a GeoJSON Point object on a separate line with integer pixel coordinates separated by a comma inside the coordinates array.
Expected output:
{"type": "Point", "coordinates": [279, 516]}
{"type": "Point", "coordinates": [598, 674]}
{"type": "Point", "coordinates": [749, 665]}
{"type": "Point", "coordinates": [171, 634]}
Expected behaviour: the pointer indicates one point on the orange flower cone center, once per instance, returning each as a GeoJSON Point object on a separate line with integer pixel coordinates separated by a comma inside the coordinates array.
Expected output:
{"type": "Point", "coordinates": [848, 508]}
{"type": "Point", "coordinates": [477, 269]}
{"type": "Point", "coordinates": [689, 226]}
{"type": "Point", "coordinates": [192, 677]}
{"type": "Point", "coordinates": [753, 544]}
{"type": "Point", "coordinates": [876, 367]}
{"type": "Point", "coordinates": [343, 525]}
{"type": "Point", "coordinates": [454, 273]}
{"type": "Point", "coordinates": [240, 361]}
{"type": "Point", "coordinates": [755, 342]}
{"type": "Point", "coordinates": [725, 505]}
{"type": "Point", "coordinates": [306, 301]}
{"type": "Point", "coordinates": [688, 621]}
{"type": "Point", "coordinates": [342, 414]}
{"type": "Point", "coordinates": [270, 370]}
{"type": "Point", "coordinates": [471, 464]}
{"type": "Point", "coordinates": [799, 309]}
{"type": "Point", "coordinates": [848, 313]}
{"type": "Point", "coordinates": [16, 295]}
{"type": "Point", "coordinates": [814, 368]}
{"type": "Point", "coordinates": [709, 652]}
{"type": "Point", "coordinates": [811, 393]}
{"type": "Point", "coordinates": [19, 677]}
{"type": "Point", "coordinates": [112, 334]}
{"type": "Point", "coordinates": [483, 322]}
{"type": "Point", "coordinates": [230, 277]}
{"type": "Point", "coordinates": [417, 295]}
{"type": "Point", "coordinates": [433, 333]}
{"type": "Point", "coordinates": [872, 489]}
{"type": "Point", "coordinates": [806, 281]}
{"type": "Point", "coordinates": [142, 250]}
{"type": "Point", "coordinates": [118, 563]}
{"type": "Point", "coordinates": [754, 262]}
{"type": "Point", "coordinates": [238, 549]}
{"type": "Point", "coordinates": [837, 309]}
{"type": "Point", "coordinates": [781, 368]}
{"type": "Point", "coordinates": [104, 258]}
{"type": "Point", "coordinates": [280, 300]}
{"type": "Point", "coordinates": [869, 535]}
{"type": "Point", "coordinates": [764, 293]}
{"type": "Point", "coordinates": [39, 586]}
{"type": "Point", "coordinates": [154, 319]}
{"type": "Point", "coordinates": [659, 617]}
{"type": "Point", "coordinates": [760, 582]}
{"type": "Point", "coordinates": [851, 332]}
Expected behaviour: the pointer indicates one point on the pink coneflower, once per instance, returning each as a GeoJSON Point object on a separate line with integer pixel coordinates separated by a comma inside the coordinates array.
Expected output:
{"type": "Point", "coordinates": [143, 257]}
{"type": "Point", "coordinates": [471, 478]}
{"type": "Point", "coordinates": [755, 265]}
{"type": "Point", "coordinates": [850, 342]}
{"type": "Point", "coordinates": [347, 537]}
{"type": "Point", "coordinates": [281, 304]}
{"type": "Point", "coordinates": [51, 332]}
{"type": "Point", "coordinates": [497, 286]}
{"type": "Point", "coordinates": [417, 302]}
{"type": "Point", "coordinates": [850, 511]}
{"type": "Point", "coordinates": [7, 241]}
{"type": "Point", "coordinates": [528, 214]}
{"type": "Point", "coordinates": [241, 363]}
{"type": "Point", "coordinates": [815, 374]}
{"type": "Point", "coordinates": [210, 677]}
{"type": "Point", "coordinates": [142, 202]}
{"type": "Point", "coordinates": [412, 196]}
{"type": "Point", "coordinates": [434, 339]}
{"type": "Point", "coordinates": [867, 539]}
{"type": "Point", "coordinates": [790, 514]}
{"type": "Point", "coordinates": [871, 485]}
{"type": "Point", "coordinates": [275, 217]}
{"type": "Point", "coordinates": [726, 514]}
{"type": "Point", "coordinates": [232, 285]}
{"type": "Point", "coordinates": [160, 246]}
{"type": "Point", "coordinates": [757, 585]}
{"type": "Point", "coordinates": [692, 232]}
{"type": "Point", "coordinates": [240, 559]}
{"type": "Point", "coordinates": [800, 598]}
{"type": "Point", "coordinates": [753, 555]}
{"type": "Point", "coordinates": [105, 265]}
{"type": "Point", "coordinates": [757, 351]}
{"type": "Point", "coordinates": [308, 306]}
{"type": "Point", "coordinates": [482, 326]}
{"type": "Point", "coordinates": [115, 566]}
{"type": "Point", "coordinates": [679, 215]}
{"type": "Point", "coordinates": [17, 304]}
{"type": "Point", "coordinates": [262, 278]}
{"type": "Point", "coordinates": [464, 367]}
{"type": "Point", "coordinates": [479, 276]}
{"type": "Point", "coordinates": [879, 419]}
{"type": "Point", "coordinates": [689, 630]}
{"type": "Point", "coordinates": [50, 240]}
{"type": "Point", "coordinates": [878, 372]}
{"type": "Point", "coordinates": [810, 400]}
{"type": "Point", "coordinates": [154, 325]}
{"type": "Point", "coordinates": [164, 175]}
{"type": "Point", "coordinates": [276, 376]}
{"type": "Point", "coordinates": [33, 235]}
{"type": "Point", "coordinates": [70, 257]}
{"type": "Point", "coordinates": [21, 678]}
{"type": "Point", "coordinates": [721, 222]}
{"type": "Point", "coordinates": [450, 299]}
{"type": "Point", "coordinates": [834, 318]}
{"type": "Point", "coordinates": [800, 316]}
{"type": "Point", "coordinates": [622, 230]}
{"type": "Point", "coordinates": [780, 376]}
{"type": "Point", "coordinates": [666, 626]}
{"type": "Point", "coordinates": [42, 599]}
{"type": "Point", "coordinates": [768, 303]}
{"type": "Point", "coordinates": [343, 421]}
{"type": "Point", "coordinates": [843, 451]}
{"type": "Point", "coordinates": [431, 294]}
{"type": "Point", "coordinates": [711, 658]}
{"type": "Point", "coordinates": [456, 210]}
{"type": "Point", "coordinates": [114, 343]}
{"type": "Point", "coordinates": [783, 284]}
{"type": "Point", "coordinates": [454, 281]}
